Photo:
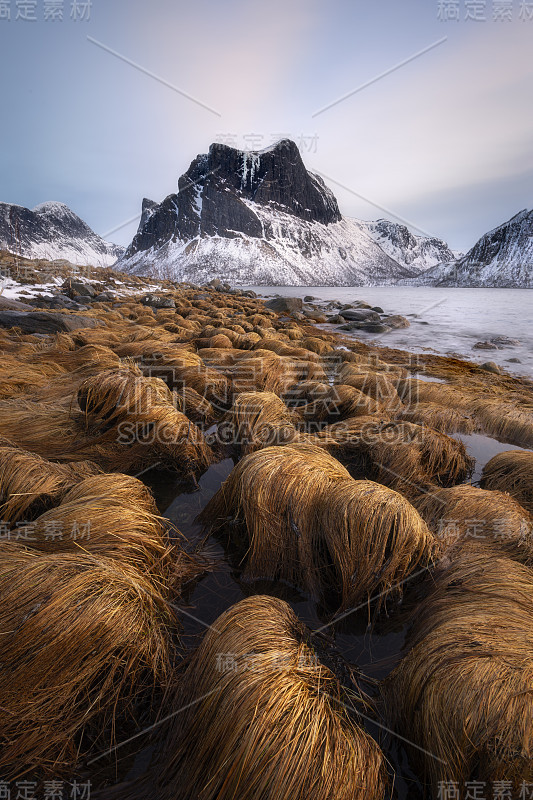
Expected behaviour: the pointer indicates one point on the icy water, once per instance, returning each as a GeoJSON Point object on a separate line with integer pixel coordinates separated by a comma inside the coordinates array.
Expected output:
{"type": "Point", "coordinates": [443, 320]}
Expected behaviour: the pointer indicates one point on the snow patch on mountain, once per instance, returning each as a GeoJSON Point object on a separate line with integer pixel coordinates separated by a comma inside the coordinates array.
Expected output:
{"type": "Point", "coordinates": [53, 231]}
{"type": "Point", "coordinates": [415, 252]}
{"type": "Point", "coordinates": [291, 252]}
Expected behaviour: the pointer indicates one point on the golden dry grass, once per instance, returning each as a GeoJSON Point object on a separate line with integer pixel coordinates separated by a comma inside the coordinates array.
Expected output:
{"type": "Point", "coordinates": [440, 418]}
{"type": "Point", "coordinates": [257, 420]}
{"type": "Point", "coordinates": [334, 403]}
{"type": "Point", "coordinates": [30, 484]}
{"type": "Point", "coordinates": [111, 516]}
{"type": "Point", "coordinates": [82, 637]}
{"type": "Point", "coordinates": [401, 455]}
{"type": "Point", "coordinates": [491, 408]}
{"type": "Point", "coordinates": [464, 690]}
{"type": "Point", "coordinates": [512, 472]}
{"type": "Point", "coordinates": [274, 727]}
{"type": "Point", "coordinates": [377, 385]}
{"type": "Point", "coordinates": [308, 522]}
{"type": "Point", "coordinates": [466, 514]}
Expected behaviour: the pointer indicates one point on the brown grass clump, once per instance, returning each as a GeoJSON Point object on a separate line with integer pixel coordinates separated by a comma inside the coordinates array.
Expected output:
{"type": "Point", "coordinates": [112, 395]}
{"type": "Point", "coordinates": [29, 484]}
{"type": "Point", "coordinates": [257, 420]}
{"type": "Point", "coordinates": [335, 403]}
{"type": "Point", "coordinates": [274, 726]}
{"type": "Point", "coordinates": [505, 422]}
{"type": "Point", "coordinates": [495, 415]}
{"type": "Point", "coordinates": [376, 385]}
{"type": "Point", "coordinates": [316, 345]}
{"type": "Point", "coordinates": [512, 472]}
{"type": "Point", "coordinates": [398, 454]}
{"type": "Point", "coordinates": [44, 428]}
{"type": "Point", "coordinates": [466, 514]}
{"type": "Point", "coordinates": [137, 416]}
{"type": "Point", "coordinates": [110, 516]}
{"type": "Point", "coordinates": [440, 418]}
{"type": "Point", "coordinates": [463, 691]}
{"type": "Point", "coordinates": [82, 638]}
{"type": "Point", "coordinates": [308, 522]}
{"type": "Point", "coordinates": [193, 405]}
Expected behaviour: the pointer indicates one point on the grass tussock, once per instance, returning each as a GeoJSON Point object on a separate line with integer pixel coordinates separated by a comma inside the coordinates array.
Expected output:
{"type": "Point", "coordinates": [109, 516]}
{"type": "Point", "coordinates": [512, 472]}
{"type": "Point", "coordinates": [463, 691]}
{"type": "Point", "coordinates": [466, 515]}
{"type": "Point", "coordinates": [276, 726]}
{"type": "Point", "coordinates": [335, 403]}
{"type": "Point", "coordinates": [440, 418]}
{"type": "Point", "coordinates": [401, 455]}
{"type": "Point", "coordinates": [137, 416]}
{"type": "Point", "coordinates": [308, 522]}
{"type": "Point", "coordinates": [30, 484]}
{"type": "Point", "coordinates": [257, 420]}
{"type": "Point", "coordinates": [82, 638]}
{"type": "Point", "coordinates": [493, 413]}
{"type": "Point", "coordinates": [377, 385]}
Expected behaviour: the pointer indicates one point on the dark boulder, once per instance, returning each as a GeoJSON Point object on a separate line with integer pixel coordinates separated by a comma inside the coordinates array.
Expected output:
{"type": "Point", "coordinates": [158, 301]}
{"type": "Point", "coordinates": [44, 322]}
{"type": "Point", "coordinates": [285, 305]}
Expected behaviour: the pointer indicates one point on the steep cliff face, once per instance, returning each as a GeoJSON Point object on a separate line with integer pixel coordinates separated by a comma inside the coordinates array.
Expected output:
{"type": "Point", "coordinates": [51, 231]}
{"type": "Point", "coordinates": [213, 194]}
{"type": "Point", "coordinates": [502, 258]}
{"type": "Point", "coordinates": [256, 217]}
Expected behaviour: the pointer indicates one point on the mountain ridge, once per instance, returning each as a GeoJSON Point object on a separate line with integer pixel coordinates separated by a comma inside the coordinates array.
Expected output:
{"type": "Point", "coordinates": [51, 230]}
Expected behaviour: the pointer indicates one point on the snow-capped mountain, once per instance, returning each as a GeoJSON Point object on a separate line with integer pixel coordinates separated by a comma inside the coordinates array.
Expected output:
{"type": "Point", "coordinates": [502, 258]}
{"type": "Point", "coordinates": [416, 252]}
{"type": "Point", "coordinates": [52, 231]}
{"type": "Point", "coordinates": [259, 218]}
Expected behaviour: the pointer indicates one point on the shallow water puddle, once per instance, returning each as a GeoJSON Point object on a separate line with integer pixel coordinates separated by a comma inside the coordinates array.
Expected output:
{"type": "Point", "coordinates": [483, 448]}
{"type": "Point", "coordinates": [420, 376]}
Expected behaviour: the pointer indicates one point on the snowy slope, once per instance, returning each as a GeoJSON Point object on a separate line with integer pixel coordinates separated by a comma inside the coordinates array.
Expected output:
{"type": "Point", "coordinates": [52, 231]}
{"type": "Point", "coordinates": [291, 252]}
{"type": "Point", "coordinates": [502, 258]}
{"type": "Point", "coordinates": [416, 252]}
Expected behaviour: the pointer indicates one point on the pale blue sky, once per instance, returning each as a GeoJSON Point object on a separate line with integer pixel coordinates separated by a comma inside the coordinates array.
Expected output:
{"type": "Point", "coordinates": [444, 141]}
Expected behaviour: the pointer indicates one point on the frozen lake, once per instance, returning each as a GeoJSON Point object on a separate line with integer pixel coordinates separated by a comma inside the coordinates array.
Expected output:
{"type": "Point", "coordinates": [448, 320]}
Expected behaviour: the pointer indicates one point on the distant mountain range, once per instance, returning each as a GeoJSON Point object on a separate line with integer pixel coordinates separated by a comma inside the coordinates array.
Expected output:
{"type": "Point", "coordinates": [53, 231]}
{"type": "Point", "coordinates": [501, 258]}
{"type": "Point", "coordinates": [263, 218]}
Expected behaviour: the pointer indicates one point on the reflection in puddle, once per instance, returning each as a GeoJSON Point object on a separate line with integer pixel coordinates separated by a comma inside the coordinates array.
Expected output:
{"type": "Point", "coordinates": [483, 448]}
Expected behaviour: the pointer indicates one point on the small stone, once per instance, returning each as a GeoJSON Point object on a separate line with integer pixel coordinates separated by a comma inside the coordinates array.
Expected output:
{"type": "Point", "coordinates": [378, 309]}
{"type": "Point", "coordinates": [491, 366]}
{"type": "Point", "coordinates": [104, 297]}
{"type": "Point", "coordinates": [484, 346]}
{"type": "Point", "coordinates": [286, 305]}
{"type": "Point", "coordinates": [72, 287]}
{"type": "Point", "coordinates": [514, 361]}
{"type": "Point", "coordinates": [361, 315]}
{"type": "Point", "coordinates": [309, 298]}
{"type": "Point", "coordinates": [397, 321]}
{"type": "Point", "coordinates": [337, 319]}
{"type": "Point", "coordinates": [158, 301]}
